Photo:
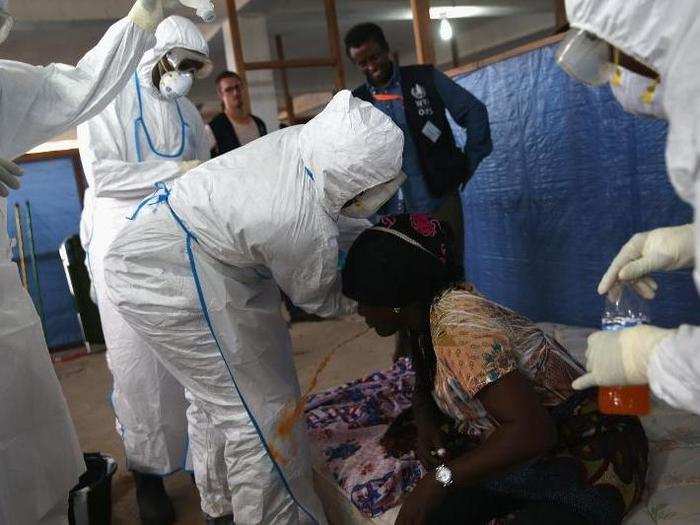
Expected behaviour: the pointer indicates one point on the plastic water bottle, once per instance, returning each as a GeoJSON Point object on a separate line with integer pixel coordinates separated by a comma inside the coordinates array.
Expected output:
{"type": "Point", "coordinates": [624, 310]}
{"type": "Point", "coordinates": [204, 9]}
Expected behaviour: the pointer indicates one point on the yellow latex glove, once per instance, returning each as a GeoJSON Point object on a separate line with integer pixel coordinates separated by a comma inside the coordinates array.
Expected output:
{"type": "Point", "coordinates": [9, 176]}
{"type": "Point", "coordinates": [620, 357]}
{"type": "Point", "coordinates": [187, 165]}
{"type": "Point", "coordinates": [663, 249]}
{"type": "Point", "coordinates": [147, 14]}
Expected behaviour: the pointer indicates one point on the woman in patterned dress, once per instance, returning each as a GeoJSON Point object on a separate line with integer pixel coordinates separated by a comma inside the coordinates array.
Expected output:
{"type": "Point", "coordinates": [528, 449]}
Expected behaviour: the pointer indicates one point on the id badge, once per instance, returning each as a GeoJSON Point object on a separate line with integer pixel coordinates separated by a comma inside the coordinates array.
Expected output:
{"type": "Point", "coordinates": [431, 131]}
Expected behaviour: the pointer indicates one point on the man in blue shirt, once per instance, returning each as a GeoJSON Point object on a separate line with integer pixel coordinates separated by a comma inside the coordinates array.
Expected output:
{"type": "Point", "coordinates": [416, 98]}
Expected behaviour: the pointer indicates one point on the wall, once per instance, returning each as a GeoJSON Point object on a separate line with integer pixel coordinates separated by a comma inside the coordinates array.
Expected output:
{"type": "Point", "coordinates": [571, 178]}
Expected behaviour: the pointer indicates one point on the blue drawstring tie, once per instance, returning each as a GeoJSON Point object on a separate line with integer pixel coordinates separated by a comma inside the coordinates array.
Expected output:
{"type": "Point", "coordinates": [142, 123]}
{"type": "Point", "coordinates": [159, 196]}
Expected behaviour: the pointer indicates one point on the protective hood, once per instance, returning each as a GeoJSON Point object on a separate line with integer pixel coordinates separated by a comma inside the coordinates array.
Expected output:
{"type": "Point", "coordinates": [349, 148]}
{"type": "Point", "coordinates": [174, 31]}
{"type": "Point", "coordinates": [664, 35]}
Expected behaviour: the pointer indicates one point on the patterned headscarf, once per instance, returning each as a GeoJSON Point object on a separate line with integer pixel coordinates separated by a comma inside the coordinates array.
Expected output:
{"type": "Point", "coordinates": [405, 258]}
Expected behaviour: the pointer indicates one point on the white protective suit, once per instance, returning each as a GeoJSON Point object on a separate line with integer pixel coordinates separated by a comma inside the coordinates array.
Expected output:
{"type": "Point", "coordinates": [40, 458]}
{"type": "Point", "coordinates": [138, 140]}
{"type": "Point", "coordinates": [665, 36]}
{"type": "Point", "coordinates": [197, 274]}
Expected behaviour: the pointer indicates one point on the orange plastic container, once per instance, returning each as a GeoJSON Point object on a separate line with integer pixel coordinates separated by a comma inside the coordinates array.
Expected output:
{"type": "Point", "coordinates": [624, 400]}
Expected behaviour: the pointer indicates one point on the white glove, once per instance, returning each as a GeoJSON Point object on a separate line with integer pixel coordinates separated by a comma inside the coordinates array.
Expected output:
{"type": "Point", "coordinates": [147, 14]}
{"type": "Point", "coordinates": [663, 249]}
{"type": "Point", "coordinates": [187, 165]}
{"type": "Point", "coordinates": [620, 357]}
{"type": "Point", "coordinates": [9, 177]}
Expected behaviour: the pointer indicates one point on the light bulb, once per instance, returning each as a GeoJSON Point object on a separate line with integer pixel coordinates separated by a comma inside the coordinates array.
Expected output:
{"type": "Point", "coordinates": [445, 29]}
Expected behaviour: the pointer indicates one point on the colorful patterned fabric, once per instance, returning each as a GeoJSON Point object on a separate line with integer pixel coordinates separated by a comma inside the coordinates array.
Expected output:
{"type": "Point", "coordinates": [347, 423]}
{"type": "Point", "coordinates": [477, 342]}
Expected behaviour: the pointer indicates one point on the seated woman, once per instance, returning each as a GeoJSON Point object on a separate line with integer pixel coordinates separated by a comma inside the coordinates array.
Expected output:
{"type": "Point", "coordinates": [530, 449]}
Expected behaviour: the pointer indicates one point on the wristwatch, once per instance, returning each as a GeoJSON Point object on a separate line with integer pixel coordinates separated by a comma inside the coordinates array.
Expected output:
{"type": "Point", "coordinates": [443, 475]}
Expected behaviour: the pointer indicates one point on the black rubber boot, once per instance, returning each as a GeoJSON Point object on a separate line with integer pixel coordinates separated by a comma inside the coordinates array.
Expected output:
{"type": "Point", "coordinates": [155, 507]}
{"type": "Point", "coordinates": [221, 520]}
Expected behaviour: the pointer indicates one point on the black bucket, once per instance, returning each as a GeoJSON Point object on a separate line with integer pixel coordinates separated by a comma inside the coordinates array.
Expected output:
{"type": "Point", "coordinates": [91, 499]}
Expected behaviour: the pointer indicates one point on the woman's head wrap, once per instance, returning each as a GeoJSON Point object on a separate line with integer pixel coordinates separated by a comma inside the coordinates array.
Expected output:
{"type": "Point", "coordinates": [403, 259]}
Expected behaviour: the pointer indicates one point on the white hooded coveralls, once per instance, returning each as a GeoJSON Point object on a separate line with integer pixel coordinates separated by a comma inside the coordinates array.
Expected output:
{"type": "Point", "coordinates": [197, 274]}
{"type": "Point", "coordinates": [138, 140]}
{"type": "Point", "coordinates": [40, 458]}
{"type": "Point", "coordinates": [664, 35]}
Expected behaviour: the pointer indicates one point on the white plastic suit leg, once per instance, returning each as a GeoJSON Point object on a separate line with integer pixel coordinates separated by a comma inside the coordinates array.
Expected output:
{"type": "Point", "coordinates": [165, 309]}
{"type": "Point", "coordinates": [207, 447]}
{"type": "Point", "coordinates": [40, 457]}
{"type": "Point", "coordinates": [149, 403]}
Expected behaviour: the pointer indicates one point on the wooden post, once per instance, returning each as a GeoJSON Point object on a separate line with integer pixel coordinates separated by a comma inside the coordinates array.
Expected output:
{"type": "Point", "coordinates": [454, 50]}
{"type": "Point", "coordinates": [288, 101]}
{"type": "Point", "coordinates": [561, 21]}
{"type": "Point", "coordinates": [425, 51]}
{"type": "Point", "coordinates": [334, 42]}
{"type": "Point", "coordinates": [237, 47]}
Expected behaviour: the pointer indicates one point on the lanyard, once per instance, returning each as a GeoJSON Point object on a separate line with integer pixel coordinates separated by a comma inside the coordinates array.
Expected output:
{"type": "Point", "coordinates": [386, 97]}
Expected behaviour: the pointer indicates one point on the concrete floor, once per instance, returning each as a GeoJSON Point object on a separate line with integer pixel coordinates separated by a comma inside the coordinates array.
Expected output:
{"type": "Point", "coordinates": [86, 382]}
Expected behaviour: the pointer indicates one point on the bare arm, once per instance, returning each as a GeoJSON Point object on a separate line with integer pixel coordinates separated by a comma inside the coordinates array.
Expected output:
{"type": "Point", "coordinates": [525, 431]}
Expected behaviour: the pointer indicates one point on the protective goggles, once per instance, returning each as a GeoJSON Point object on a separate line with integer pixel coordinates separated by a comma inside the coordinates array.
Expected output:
{"type": "Point", "coordinates": [6, 23]}
{"type": "Point", "coordinates": [585, 57]}
{"type": "Point", "coordinates": [369, 201]}
{"type": "Point", "coordinates": [186, 61]}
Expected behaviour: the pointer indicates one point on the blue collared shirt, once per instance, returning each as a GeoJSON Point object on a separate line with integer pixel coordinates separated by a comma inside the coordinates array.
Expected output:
{"type": "Point", "coordinates": [466, 110]}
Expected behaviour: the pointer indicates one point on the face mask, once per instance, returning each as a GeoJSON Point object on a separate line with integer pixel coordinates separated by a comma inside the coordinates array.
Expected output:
{"type": "Point", "coordinates": [368, 202]}
{"type": "Point", "coordinates": [637, 94]}
{"type": "Point", "coordinates": [174, 84]}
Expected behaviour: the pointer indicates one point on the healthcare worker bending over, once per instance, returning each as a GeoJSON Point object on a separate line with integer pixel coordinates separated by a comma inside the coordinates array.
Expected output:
{"type": "Point", "coordinates": [197, 273]}
{"type": "Point", "coordinates": [663, 35]}
{"type": "Point", "coordinates": [40, 456]}
{"type": "Point", "coordinates": [151, 132]}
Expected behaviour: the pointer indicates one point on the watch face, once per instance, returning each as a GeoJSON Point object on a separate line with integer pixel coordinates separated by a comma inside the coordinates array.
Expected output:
{"type": "Point", "coordinates": [443, 475]}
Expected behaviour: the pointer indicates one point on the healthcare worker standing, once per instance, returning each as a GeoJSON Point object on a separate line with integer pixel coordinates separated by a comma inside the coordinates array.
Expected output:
{"type": "Point", "coordinates": [197, 273]}
{"type": "Point", "coordinates": [151, 132]}
{"type": "Point", "coordinates": [663, 35]}
{"type": "Point", "coordinates": [40, 456]}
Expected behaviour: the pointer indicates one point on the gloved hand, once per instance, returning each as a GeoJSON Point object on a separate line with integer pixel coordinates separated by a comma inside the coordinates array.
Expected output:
{"type": "Point", "coordinates": [9, 177]}
{"type": "Point", "coordinates": [620, 357]}
{"type": "Point", "coordinates": [187, 165]}
{"type": "Point", "coordinates": [147, 14]}
{"type": "Point", "coordinates": [663, 249]}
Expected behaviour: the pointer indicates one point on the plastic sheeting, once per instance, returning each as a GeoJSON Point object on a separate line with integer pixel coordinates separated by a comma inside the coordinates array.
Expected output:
{"type": "Point", "coordinates": [51, 190]}
{"type": "Point", "coordinates": [571, 178]}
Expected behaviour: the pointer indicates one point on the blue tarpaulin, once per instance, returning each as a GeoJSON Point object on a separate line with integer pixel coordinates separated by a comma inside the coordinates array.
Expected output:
{"type": "Point", "coordinates": [571, 178]}
{"type": "Point", "coordinates": [51, 190]}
